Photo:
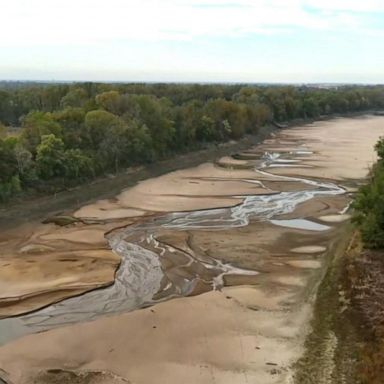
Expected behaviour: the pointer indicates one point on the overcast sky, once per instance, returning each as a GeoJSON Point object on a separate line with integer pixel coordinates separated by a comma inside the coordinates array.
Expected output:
{"type": "Point", "coordinates": [193, 40]}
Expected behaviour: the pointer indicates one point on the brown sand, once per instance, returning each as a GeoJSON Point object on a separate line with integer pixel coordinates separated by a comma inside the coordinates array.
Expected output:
{"type": "Point", "coordinates": [344, 153]}
{"type": "Point", "coordinates": [334, 218]}
{"type": "Point", "coordinates": [41, 264]}
{"type": "Point", "coordinates": [204, 339]}
{"type": "Point", "coordinates": [205, 186]}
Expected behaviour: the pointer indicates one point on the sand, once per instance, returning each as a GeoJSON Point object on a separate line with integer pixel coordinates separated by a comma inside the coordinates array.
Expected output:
{"type": "Point", "coordinates": [334, 218]}
{"type": "Point", "coordinates": [201, 187]}
{"type": "Point", "coordinates": [204, 339]}
{"type": "Point", "coordinates": [340, 153]}
{"type": "Point", "coordinates": [42, 264]}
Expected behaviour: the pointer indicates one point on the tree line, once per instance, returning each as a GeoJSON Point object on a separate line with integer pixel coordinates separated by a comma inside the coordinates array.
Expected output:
{"type": "Point", "coordinates": [369, 204]}
{"type": "Point", "coordinates": [55, 135]}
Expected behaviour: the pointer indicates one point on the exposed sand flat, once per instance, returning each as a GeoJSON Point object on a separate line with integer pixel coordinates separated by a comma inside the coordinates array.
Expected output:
{"type": "Point", "coordinates": [104, 210]}
{"type": "Point", "coordinates": [231, 163]}
{"type": "Point", "coordinates": [162, 203]}
{"type": "Point", "coordinates": [41, 264]}
{"type": "Point", "coordinates": [92, 236]}
{"type": "Point", "coordinates": [334, 218]}
{"type": "Point", "coordinates": [343, 147]}
{"type": "Point", "coordinates": [278, 185]}
{"type": "Point", "coordinates": [251, 331]}
{"type": "Point", "coordinates": [202, 187]}
{"type": "Point", "coordinates": [309, 249]}
{"type": "Point", "coordinates": [204, 339]}
{"type": "Point", "coordinates": [305, 263]}
{"type": "Point", "coordinates": [319, 207]}
{"type": "Point", "coordinates": [34, 281]}
{"type": "Point", "coordinates": [240, 248]}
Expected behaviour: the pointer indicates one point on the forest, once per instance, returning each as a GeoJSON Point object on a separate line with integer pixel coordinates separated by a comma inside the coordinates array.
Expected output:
{"type": "Point", "coordinates": [57, 135]}
{"type": "Point", "coordinates": [369, 204]}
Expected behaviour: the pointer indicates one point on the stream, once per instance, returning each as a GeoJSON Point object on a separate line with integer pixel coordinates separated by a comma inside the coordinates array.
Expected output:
{"type": "Point", "coordinates": [141, 281]}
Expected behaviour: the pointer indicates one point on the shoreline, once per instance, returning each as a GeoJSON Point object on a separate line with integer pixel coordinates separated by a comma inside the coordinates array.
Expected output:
{"type": "Point", "coordinates": [29, 208]}
{"type": "Point", "coordinates": [13, 214]}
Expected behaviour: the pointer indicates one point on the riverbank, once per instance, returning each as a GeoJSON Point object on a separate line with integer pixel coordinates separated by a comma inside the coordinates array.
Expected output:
{"type": "Point", "coordinates": [245, 274]}
{"type": "Point", "coordinates": [327, 357]}
{"type": "Point", "coordinates": [17, 212]}
{"type": "Point", "coordinates": [346, 343]}
{"type": "Point", "coordinates": [30, 208]}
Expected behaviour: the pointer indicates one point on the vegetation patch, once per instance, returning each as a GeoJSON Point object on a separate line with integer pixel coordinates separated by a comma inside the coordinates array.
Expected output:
{"type": "Point", "coordinates": [59, 376]}
{"type": "Point", "coordinates": [347, 342]}
{"type": "Point", "coordinates": [365, 293]}
{"type": "Point", "coordinates": [369, 205]}
{"type": "Point", "coordinates": [69, 133]}
{"type": "Point", "coordinates": [330, 349]}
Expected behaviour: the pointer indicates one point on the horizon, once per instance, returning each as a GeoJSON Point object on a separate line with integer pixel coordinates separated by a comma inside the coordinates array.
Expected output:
{"type": "Point", "coordinates": [254, 83]}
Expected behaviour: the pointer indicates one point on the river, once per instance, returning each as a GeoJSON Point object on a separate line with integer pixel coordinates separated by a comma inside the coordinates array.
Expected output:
{"type": "Point", "coordinates": [263, 251]}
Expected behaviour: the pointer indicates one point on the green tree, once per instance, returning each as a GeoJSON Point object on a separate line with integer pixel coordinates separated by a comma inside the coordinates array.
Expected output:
{"type": "Point", "coordinates": [156, 114]}
{"type": "Point", "coordinates": [111, 101]}
{"type": "Point", "coordinates": [77, 164]}
{"type": "Point", "coordinates": [187, 120]}
{"type": "Point", "coordinates": [311, 107]}
{"type": "Point", "coordinates": [9, 178]}
{"type": "Point", "coordinates": [35, 125]}
{"type": "Point", "coordinates": [138, 146]}
{"type": "Point", "coordinates": [50, 157]}
{"type": "Point", "coordinates": [8, 163]}
{"type": "Point", "coordinates": [3, 131]}
{"type": "Point", "coordinates": [369, 205]}
{"type": "Point", "coordinates": [206, 129]}
{"type": "Point", "coordinates": [76, 97]}
{"type": "Point", "coordinates": [379, 147]}
{"type": "Point", "coordinates": [99, 125]}
{"type": "Point", "coordinates": [72, 124]}
{"type": "Point", "coordinates": [23, 158]}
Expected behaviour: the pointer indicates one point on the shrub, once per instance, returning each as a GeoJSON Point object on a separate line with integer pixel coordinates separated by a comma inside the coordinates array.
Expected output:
{"type": "Point", "coordinates": [369, 205]}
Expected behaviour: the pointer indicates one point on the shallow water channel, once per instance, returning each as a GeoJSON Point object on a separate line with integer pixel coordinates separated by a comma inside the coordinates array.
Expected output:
{"type": "Point", "coordinates": [140, 280]}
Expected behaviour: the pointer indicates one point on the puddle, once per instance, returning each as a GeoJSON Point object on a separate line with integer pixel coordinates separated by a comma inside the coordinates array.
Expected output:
{"type": "Point", "coordinates": [334, 218]}
{"type": "Point", "coordinates": [305, 264]}
{"type": "Point", "coordinates": [281, 165]}
{"type": "Point", "coordinates": [309, 249]}
{"type": "Point", "coordinates": [307, 225]}
{"type": "Point", "coordinates": [346, 209]}
{"type": "Point", "coordinates": [301, 152]}
{"type": "Point", "coordinates": [287, 161]}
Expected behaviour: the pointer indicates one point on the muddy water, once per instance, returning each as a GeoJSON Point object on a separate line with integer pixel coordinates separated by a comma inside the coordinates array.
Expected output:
{"type": "Point", "coordinates": [141, 280]}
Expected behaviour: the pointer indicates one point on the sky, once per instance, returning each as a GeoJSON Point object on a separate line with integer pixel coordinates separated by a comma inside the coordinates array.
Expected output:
{"type": "Point", "coordinates": [280, 41]}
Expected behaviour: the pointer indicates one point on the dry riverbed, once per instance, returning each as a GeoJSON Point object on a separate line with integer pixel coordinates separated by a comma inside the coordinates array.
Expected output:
{"type": "Point", "coordinates": [242, 244]}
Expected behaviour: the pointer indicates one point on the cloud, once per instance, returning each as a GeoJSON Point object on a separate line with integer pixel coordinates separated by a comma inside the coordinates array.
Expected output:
{"type": "Point", "coordinates": [85, 22]}
{"type": "Point", "coordinates": [361, 6]}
